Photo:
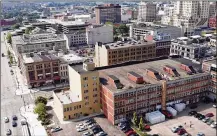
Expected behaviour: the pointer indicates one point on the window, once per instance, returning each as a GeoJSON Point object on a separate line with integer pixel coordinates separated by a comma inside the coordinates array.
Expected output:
{"type": "Point", "coordinates": [86, 97]}
{"type": "Point", "coordinates": [85, 85]}
{"type": "Point", "coordinates": [94, 77]}
{"type": "Point", "coordinates": [95, 95]}
{"type": "Point", "coordinates": [86, 103]}
{"type": "Point", "coordinates": [85, 78]}
{"type": "Point", "coordinates": [95, 89]}
{"type": "Point", "coordinates": [85, 91]}
{"type": "Point", "coordinates": [95, 101]}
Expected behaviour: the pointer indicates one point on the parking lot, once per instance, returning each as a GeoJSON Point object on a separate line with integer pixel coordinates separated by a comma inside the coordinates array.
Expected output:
{"type": "Point", "coordinates": [70, 128]}
{"type": "Point", "coordinates": [164, 128]}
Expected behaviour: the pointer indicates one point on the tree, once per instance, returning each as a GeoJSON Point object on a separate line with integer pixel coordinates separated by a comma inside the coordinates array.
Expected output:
{"type": "Point", "coordinates": [41, 99]}
{"type": "Point", "coordinates": [141, 125]}
{"type": "Point", "coordinates": [16, 26]}
{"type": "Point", "coordinates": [40, 109]}
{"type": "Point", "coordinates": [28, 30]}
{"type": "Point", "coordinates": [123, 29]}
{"type": "Point", "coordinates": [135, 120]}
{"type": "Point", "coordinates": [9, 38]}
{"type": "Point", "coordinates": [11, 59]}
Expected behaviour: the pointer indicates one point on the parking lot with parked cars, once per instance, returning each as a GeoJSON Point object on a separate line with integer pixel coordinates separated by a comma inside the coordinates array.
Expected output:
{"type": "Point", "coordinates": [200, 121]}
{"type": "Point", "coordinates": [97, 126]}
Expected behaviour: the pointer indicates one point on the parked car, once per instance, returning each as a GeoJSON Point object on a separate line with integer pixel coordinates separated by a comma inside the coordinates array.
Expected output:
{"type": "Point", "coordinates": [14, 124]}
{"type": "Point", "coordinates": [185, 134]}
{"type": "Point", "coordinates": [80, 129]}
{"type": "Point", "coordinates": [191, 113]}
{"type": "Point", "coordinates": [128, 129]}
{"type": "Point", "coordinates": [56, 129]}
{"type": "Point", "coordinates": [89, 120]}
{"type": "Point", "coordinates": [8, 132]}
{"type": "Point", "coordinates": [79, 125]}
{"type": "Point", "coordinates": [91, 125]}
{"type": "Point", "coordinates": [23, 122]}
{"type": "Point", "coordinates": [6, 119]}
{"type": "Point", "coordinates": [101, 134]}
{"type": "Point", "coordinates": [213, 125]}
{"type": "Point", "coordinates": [3, 54]}
{"type": "Point", "coordinates": [147, 127]}
{"type": "Point", "coordinates": [181, 131]}
{"type": "Point", "coordinates": [197, 115]}
{"type": "Point", "coordinates": [209, 115]}
{"type": "Point", "coordinates": [210, 122]}
{"type": "Point", "coordinates": [201, 117]}
{"type": "Point", "coordinates": [87, 134]}
{"type": "Point", "coordinates": [200, 134]}
{"type": "Point", "coordinates": [130, 133]}
{"type": "Point", "coordinates": [193, 106]}
{"type": "Point", "coordinates": [214, 106]}
{"type": "Point", "coordinates": [206, 119]}
{"type": "Point", "coordinates": [176, 129]}
{"type": "Point", "coordinates": [167, 114]}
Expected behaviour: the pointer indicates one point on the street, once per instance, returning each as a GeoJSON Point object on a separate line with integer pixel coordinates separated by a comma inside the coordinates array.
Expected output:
{"type": "Point", "coordinates": [10, 103]}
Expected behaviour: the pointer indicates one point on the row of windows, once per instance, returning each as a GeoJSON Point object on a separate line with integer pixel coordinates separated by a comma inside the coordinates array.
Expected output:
{"type": "Point", "coordinates": [72, 108]}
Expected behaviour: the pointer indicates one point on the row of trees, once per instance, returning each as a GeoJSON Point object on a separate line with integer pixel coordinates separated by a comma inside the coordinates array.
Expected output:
{"type": "Point", "coordinates": [137, 123]}
{"type": "Point", "coordinates": [40, 109]}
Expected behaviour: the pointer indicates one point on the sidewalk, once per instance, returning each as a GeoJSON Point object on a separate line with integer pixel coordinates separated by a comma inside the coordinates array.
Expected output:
{"type": "Point", "coordinates": [36, 129]}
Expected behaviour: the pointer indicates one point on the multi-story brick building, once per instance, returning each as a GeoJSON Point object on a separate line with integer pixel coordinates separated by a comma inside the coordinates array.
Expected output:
{"type": "Point", "coordinates": [108, 13]}
{"type": "Point", "coordinates": [83, 97]}
{"type": "Point", "coordinates": [123, 51]}
{"type": "Point", "coordinates": [142, 87]}
{"type": "Point", "coordinates": [210, 67]}
{"type": "Point", "coordinates": [39, 68]}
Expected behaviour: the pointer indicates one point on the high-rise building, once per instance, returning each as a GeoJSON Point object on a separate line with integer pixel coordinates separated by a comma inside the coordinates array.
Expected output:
{"type": "Point", "coordinates": [108, 13]}
{"type": "Point", "coordinates": [147, 12]}
{"type": "Point", "coordinates": [83, 97]}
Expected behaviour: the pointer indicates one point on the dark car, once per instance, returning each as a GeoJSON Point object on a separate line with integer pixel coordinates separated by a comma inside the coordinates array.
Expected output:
{"type": "Point", "coordinates": [167, 114]}
{"type": "Point", "coordinates": [128, 129]}
{"type": "Point", "coordinates": [14, 117]}
{"type": "Point", "coordinates": [197, 115]}
{"type": "Point", "coordinates": [191, 113]}
{"type": "Point", "coordinates": [14, 124]}
{"type": "Point", "coordinates": [193, 106]}
{"type": "Point", "coordinates": [181, 131]}
{"type": "Point", "coordinates": [3, 55]}
{"type": "Point", "coordinates": [201, 117]}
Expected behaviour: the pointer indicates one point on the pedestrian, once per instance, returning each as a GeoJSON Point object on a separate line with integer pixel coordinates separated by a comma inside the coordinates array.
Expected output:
{"type": "Point", "coordinates": [190, 125]}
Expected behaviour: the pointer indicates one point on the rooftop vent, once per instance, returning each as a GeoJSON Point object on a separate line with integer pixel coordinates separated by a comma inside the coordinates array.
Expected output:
{"type": "Point", "coordinates": [153, 73]}
{"type": "Point", "coordinates": [135, 77]}
{"type": "Point", "coordinates": [171, 70]}
{"type": "Point", "coordinates": [115, 81]}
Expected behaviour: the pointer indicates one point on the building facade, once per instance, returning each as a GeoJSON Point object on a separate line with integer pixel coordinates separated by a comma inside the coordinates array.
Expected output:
{"type": "Point", "coordinates": [141, 88]}
{"type": "Point", "coordinates": [188, 48]}
{"type": "Point", "coordinates": [146, 12]}
{"type": "Point", "coordinates": [38, 42]}
{"type": "Point", "coordinates": [39, 69]}
{"type": "Point", "coordinates": [99, 33]}
{"type": "Point", "coordinates": [210, 67]}
{"type": "Point", "coordinates": [83, 97]}
{"type": "Point", "coordinates": [123, 51]}
{"type": "Point", "coordinates": [212, 22]}
{"type": "Point", "coordinates": [108, 13]}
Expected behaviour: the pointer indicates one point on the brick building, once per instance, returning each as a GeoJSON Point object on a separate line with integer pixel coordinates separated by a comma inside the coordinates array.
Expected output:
{"type": "Point", "coordinates": [142, 87]}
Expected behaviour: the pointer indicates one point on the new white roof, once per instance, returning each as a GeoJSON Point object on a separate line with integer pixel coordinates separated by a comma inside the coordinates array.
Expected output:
{"type": "Point", "coordinates": [71, 58]}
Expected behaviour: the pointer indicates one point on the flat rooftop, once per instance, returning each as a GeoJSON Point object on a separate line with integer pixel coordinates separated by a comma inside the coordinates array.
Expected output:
{"type": "Point", "coordinates": [140, 69]}
{"type": "Point", "coordinates": [66, 97]}
{"type": "Point", "coordinates": [37, 38]}
{"type": "Point", "coordinates": [71, 58]}
{"type": "Point", "coordinates": [152, 26]}
{"type": "Point", "coordinates": [64, 23]}
{"type": "Point", "coordinates": [38, 58]}
{"type": "Point", "coordinates": [127, 44]}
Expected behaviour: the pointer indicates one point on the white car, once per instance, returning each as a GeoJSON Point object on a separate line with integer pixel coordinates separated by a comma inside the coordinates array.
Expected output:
{"type": "Point", "coordinates": [213, 125]}
{"type": "Point", "coordinates": [6, 119]}
{"type": "Point", "coordinates": [101, 134]}
{"type": "Point", "coordinates": [87, 134]}
{"type": "Point", "coordinates": [206, 119]}
{"type": "Point", "coordinates": [92, 125]}
{"type": "Point", "coordinates": [56, 129]}
{"type": "Point", "coordinates": [79, 125]}
{"type": "Point", "coordinates": [214, 106]}
{"type": "Point", "coordinates": [80, 129]}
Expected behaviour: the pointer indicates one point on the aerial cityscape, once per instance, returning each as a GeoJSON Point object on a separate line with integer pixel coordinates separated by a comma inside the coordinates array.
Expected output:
{"type": "Point", "coordinates": [108, 68]}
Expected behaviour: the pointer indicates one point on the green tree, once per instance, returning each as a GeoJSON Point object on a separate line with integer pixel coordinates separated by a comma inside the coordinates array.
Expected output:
{"type": "Point", "coordinates": [11, 59]}
{"type": "Point", "coordinates": [108, 23]}
{"type": "Point", "coordinates": [9, 53]}
{"type": "Point", "coordinates": [141, 124]}
{"type": "Point", "coordinates": [28, 31]}
{"type": "Point", "coordinates": [16, 26]}
{"type": "Point", "coordinates": [135, 120]}
{"type": "Point", "coordinates": [41, 99]}
{"type": "Point", "coordinates": [123, 29]}
{"type": "Point", "coordinates": [9, 38]}
{"type": "Point", "coordinates": [40, 109]}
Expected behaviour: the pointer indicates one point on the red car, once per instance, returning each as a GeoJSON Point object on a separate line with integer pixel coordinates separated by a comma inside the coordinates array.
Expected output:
{"type": "Point", "coordinates": [209, 115]}
{"type": "Point", "coordinates": [130, 133]}
{"type": "Point", "coordinates": [181, 131]}
{"type": "Point", "coordinates": [147, 127]}
{"type": "Point", "coordinates": [167, 114]}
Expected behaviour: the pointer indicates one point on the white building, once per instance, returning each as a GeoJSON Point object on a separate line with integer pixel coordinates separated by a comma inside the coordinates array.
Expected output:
{"type": "Point", "coordinates": [147, 12]}
{"type": "Point", "coordinates": [99, 33]}
{"type": "Point", "coordinates": [65, 60]}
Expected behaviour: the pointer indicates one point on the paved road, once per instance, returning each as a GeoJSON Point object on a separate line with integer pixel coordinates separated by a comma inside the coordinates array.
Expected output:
{"type": "Point", "coordinates": [10, 103]}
